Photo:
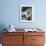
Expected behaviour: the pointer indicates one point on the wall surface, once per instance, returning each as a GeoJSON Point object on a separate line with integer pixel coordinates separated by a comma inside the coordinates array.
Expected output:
{"type": "Point", "coordinates": [10, 13]}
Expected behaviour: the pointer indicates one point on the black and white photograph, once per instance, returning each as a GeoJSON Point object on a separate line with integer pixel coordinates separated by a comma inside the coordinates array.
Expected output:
{"type": "Point", "coordinates": [26, 13]}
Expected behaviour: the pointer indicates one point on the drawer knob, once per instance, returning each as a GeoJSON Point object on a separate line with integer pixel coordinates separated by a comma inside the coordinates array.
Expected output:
{"type": "Point", "coordinates": [33, 39]}
{"type": "Point", "coordinates": [11, 38]}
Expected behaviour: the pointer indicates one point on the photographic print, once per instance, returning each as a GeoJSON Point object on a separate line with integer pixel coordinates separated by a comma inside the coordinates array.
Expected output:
{"type": "Point", "coordinates": [26, 13]}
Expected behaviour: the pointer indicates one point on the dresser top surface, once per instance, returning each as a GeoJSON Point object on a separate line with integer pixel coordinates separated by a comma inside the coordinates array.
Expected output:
{"type": "Point", "coordinates": [22, 30]}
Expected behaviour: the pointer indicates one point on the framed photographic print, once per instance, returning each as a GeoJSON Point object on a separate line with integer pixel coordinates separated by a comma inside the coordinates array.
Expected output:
{"type": "Point", "coordinates": [26, 13]}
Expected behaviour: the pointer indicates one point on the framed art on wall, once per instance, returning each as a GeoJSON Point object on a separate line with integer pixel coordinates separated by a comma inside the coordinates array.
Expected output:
{"type": "Point", "coordinates": [26, 13]}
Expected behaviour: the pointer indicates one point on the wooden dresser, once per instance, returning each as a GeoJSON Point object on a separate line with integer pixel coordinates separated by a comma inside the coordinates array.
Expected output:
{"type": "Point", "coordinates": [23, 38]}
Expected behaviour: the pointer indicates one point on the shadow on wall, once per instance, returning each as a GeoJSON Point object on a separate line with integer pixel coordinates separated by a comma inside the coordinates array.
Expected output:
{"type": "Point", "coordinates": [2, 26]}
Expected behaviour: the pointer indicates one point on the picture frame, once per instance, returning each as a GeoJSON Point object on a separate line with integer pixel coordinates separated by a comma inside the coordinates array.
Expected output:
{"type": "Point", "coordinates": [26, 13]}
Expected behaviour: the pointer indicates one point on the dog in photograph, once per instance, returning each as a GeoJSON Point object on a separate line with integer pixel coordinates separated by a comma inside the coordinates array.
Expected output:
{"type": "Point", "coordinates": [26, 13]}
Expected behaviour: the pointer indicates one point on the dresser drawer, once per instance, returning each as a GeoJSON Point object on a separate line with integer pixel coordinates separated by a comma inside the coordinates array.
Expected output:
{"type": "Point", "coordinates": [34, 33]}
{"type": "Point", "coordinates": [37, 39]}
{"type": "Point", "coordinates": [13, 33]}
{"type": "Point", "coordinates": [20, 44]}
{"type": "Point", "coordinates": [37, 44]}
{"type": "Point", "coordinates": [8, 45]}
{"type": "Point", "coordinates": [12, 39]}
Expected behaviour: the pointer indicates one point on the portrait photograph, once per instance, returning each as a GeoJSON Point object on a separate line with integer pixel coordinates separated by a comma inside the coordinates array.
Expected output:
{"type": "Point", "coordinates": [26, 13]}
